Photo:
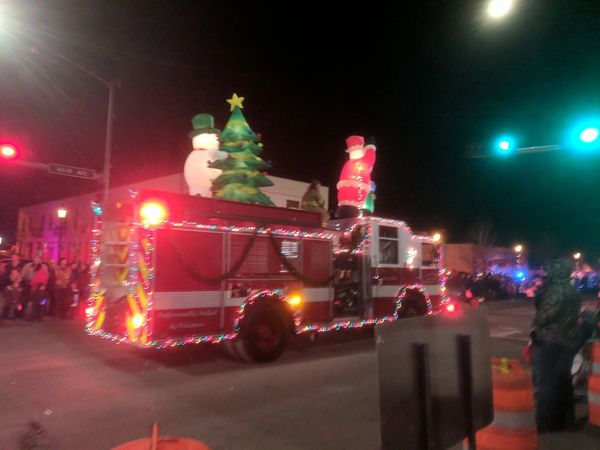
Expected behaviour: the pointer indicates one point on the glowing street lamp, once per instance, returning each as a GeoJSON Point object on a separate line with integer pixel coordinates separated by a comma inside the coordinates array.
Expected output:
{"type": "Point", "coordinates": [61, 213]}
{"type": "Point", "coordinates": [577, 257]}
{"type": "Point", "coordinates": [519, 253]}
{"type": "Point", "coordinates": [497, 9]}
{"type": "Point", "coordinates": [437, 237]}
{"type": "Point", "coordinates": [9, 24]}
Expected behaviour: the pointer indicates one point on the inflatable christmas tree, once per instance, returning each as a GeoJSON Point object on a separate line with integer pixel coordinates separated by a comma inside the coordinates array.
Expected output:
{"type": "Point", "coordinates": [242, 175]}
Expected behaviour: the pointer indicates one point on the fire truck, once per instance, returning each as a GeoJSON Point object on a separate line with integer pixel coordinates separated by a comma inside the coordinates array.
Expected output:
{"type": "Point", "coordinates": [171, 269]}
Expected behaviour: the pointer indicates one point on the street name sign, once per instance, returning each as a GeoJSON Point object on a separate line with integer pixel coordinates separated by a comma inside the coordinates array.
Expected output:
{"type": "Point", "coordinates": [70, 171]}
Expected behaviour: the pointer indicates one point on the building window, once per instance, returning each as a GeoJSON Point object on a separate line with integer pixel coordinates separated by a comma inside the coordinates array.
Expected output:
{"type": "Point", "coordinates": [292, 204]}
{"type": "Point", "coordinates": [388, 245]}
{"type": "Point", "coordinates": [428, 254]}
{"type": "Point", "coordinates": [289, 249]}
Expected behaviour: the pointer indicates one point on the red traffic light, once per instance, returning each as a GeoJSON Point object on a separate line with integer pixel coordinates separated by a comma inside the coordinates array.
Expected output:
{"type": "Point", "coordinates": [8, 151]}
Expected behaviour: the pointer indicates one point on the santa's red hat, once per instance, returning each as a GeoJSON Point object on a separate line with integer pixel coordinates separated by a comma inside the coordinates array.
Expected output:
{"type": "Point", "coordinates": [354, 143]}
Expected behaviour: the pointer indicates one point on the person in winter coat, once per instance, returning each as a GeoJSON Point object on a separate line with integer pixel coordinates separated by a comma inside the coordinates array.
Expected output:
{"type": "Point", "coordinates": [50, 288]}
{"type": "Point", "coordinates": [12, 295]}
{"type": "Point", "coordinates": [312, 200]}
{"type": "Point", "coordinates": [38, 284]}
{"type": "Point", "coordinates": [556, 338]}
{"type": "Point", "coordinates": [62, 288]}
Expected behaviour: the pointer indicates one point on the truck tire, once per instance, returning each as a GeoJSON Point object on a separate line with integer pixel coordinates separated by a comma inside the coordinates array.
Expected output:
{"type": "Point", "coordinates": [263, 335]}
{"type": "Point", "coordinates": [413, 305]}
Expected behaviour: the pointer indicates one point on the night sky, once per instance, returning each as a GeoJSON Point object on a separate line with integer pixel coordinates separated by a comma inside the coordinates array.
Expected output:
{"type": "Point", "coordinates": [432, 81]}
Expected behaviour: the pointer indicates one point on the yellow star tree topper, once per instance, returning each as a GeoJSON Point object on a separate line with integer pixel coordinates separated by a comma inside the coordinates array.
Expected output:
{"type": "Point", "coordinates": [235, 101]}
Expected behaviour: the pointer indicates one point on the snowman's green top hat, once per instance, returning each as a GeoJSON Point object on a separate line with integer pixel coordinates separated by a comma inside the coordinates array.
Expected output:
{"type": "Point", "coordinates": [203, 123]}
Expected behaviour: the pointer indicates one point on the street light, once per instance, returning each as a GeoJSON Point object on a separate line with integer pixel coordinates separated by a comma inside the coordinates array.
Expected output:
{"type": "Point", "coordinates": [497, 9]}
{"type": "Point", "coordinates": [6, 22]}
{"type": "Point", "coordinates": [437, 237]}
{"type": "Point", "coordinates": [112, 86]}
{"type": "Point", "coordinates": [518, 248]}
{"type": "Point", "coordinates": [577, 255]}
{"type": "Point", "coordinates": [61, 213]}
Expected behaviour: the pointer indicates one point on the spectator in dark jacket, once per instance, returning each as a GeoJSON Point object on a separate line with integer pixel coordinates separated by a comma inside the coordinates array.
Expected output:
{"type": "Point", "coordinates": [62, 287]}
{"type": "Point", "coordinates": [556, 338]}
{"type": "Point", "coordinates": [11, 295]}
{"type": "Point", "coordinates": [50, 288]}
{"type": "Point", "coordinates": [38, 284]}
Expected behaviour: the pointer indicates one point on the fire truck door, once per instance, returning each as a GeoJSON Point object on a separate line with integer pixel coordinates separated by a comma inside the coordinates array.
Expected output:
{"type": "Point", "coordinates": [367, 287]}
{"type": "Point", "coordinates": [352, 287]}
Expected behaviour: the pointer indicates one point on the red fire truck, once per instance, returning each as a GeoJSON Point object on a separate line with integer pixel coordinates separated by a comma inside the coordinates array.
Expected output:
{"type": "Point", "coordinates": [173, 269]}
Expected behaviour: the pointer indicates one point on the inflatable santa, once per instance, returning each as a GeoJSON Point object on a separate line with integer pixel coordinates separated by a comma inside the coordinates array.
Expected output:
{"type": "Point", "coordinates": [355, 180]}
{"type": "Point", "coordinates": [205, 143]}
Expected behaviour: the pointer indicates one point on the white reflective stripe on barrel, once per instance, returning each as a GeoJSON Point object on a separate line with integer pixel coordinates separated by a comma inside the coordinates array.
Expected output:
{"type": "Point", "coordinates": [514, 419]}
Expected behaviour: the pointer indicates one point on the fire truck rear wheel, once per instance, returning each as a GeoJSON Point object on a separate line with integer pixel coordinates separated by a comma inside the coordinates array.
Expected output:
{"type": "Point", "coordinates": [263, 334]}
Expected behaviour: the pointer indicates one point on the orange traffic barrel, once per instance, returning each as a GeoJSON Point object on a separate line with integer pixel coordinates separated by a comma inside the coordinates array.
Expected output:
{"type": "Point", "coordinates": [594, 385]}
{"type": "Point", "coordinates": [514, 418]}
{"type": "Point", "coordinates": [156, 442]}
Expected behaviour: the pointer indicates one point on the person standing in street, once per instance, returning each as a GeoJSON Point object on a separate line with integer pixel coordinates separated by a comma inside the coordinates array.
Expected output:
{"type": "Point", "coordinates": [38, 284]}
{"type": "Point", "coordinates": [556, 338]}
{"type": "Point", "coordinates": [62, 287]}
{"type": "Point", "coordinates": [12, 296]}
{"type": "Point", "coordinates": [73, 290]}
{"type": "Point", "coordinates": [6, 281]}
{"type": "Point", "coordinates": [312, 200]}
{"type": "Point", "coordinates": [51, 302]}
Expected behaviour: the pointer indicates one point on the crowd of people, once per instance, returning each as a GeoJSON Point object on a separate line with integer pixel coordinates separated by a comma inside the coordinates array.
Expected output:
{"type": "Point", "coordinates": [30, 290]}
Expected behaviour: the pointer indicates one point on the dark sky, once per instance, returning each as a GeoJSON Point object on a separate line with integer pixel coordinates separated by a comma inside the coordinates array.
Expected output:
{"type": "Point", "coordinates": [430, 80]}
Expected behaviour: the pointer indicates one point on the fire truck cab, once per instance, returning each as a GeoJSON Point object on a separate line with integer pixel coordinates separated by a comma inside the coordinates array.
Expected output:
{"type": "Point", "coordinates": [173, 269]}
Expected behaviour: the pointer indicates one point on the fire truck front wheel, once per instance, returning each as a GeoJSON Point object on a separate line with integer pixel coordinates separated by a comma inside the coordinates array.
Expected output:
{"type": "Point", "coordinates": [263, 334]}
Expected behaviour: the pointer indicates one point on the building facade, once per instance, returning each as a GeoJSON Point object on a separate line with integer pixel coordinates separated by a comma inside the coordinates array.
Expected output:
{"type": "Point", "coordinates": [41, 231]}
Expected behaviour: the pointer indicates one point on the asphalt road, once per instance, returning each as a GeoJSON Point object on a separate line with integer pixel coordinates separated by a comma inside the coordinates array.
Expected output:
{"type": "Point", "coordinates": [62, 389]}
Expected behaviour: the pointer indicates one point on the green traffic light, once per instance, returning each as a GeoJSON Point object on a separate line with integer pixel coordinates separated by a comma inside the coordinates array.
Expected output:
{"type": "Point", "coordinates": [584, 135]}
{"type": "Point", "coordinates": [589, 135]}
{"type": "Point", "coordinates": [505, 145]}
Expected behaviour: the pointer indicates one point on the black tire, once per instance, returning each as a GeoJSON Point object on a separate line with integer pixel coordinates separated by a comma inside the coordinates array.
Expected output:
{"type": "Point", "coordinates": [414, 304]}
{"type": "Point", "coordinates": [263, 335]}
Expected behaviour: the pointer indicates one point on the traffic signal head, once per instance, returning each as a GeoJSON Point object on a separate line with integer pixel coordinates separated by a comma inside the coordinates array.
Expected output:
{"type": "Point", "coordinates": [589, 135]}
{"type": "Point", "coordinates": [8, 151]}
{"type": "Point", "coordinates": [585, 135]}
{"type": "Point", "coordinates": [505, 145]}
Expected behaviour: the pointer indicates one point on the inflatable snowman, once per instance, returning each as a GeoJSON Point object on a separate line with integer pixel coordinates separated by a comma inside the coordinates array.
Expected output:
{"type": "Point", "coordinates": [205, 143]}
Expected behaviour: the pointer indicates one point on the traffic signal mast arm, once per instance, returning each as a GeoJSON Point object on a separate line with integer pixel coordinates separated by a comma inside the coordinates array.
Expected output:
{"type": "Point", "coordinates": [58, 169]}
{"type": "Point", "coordinates": [523, 150]}
{"type": "Point", "coordinates": [30, 164]}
